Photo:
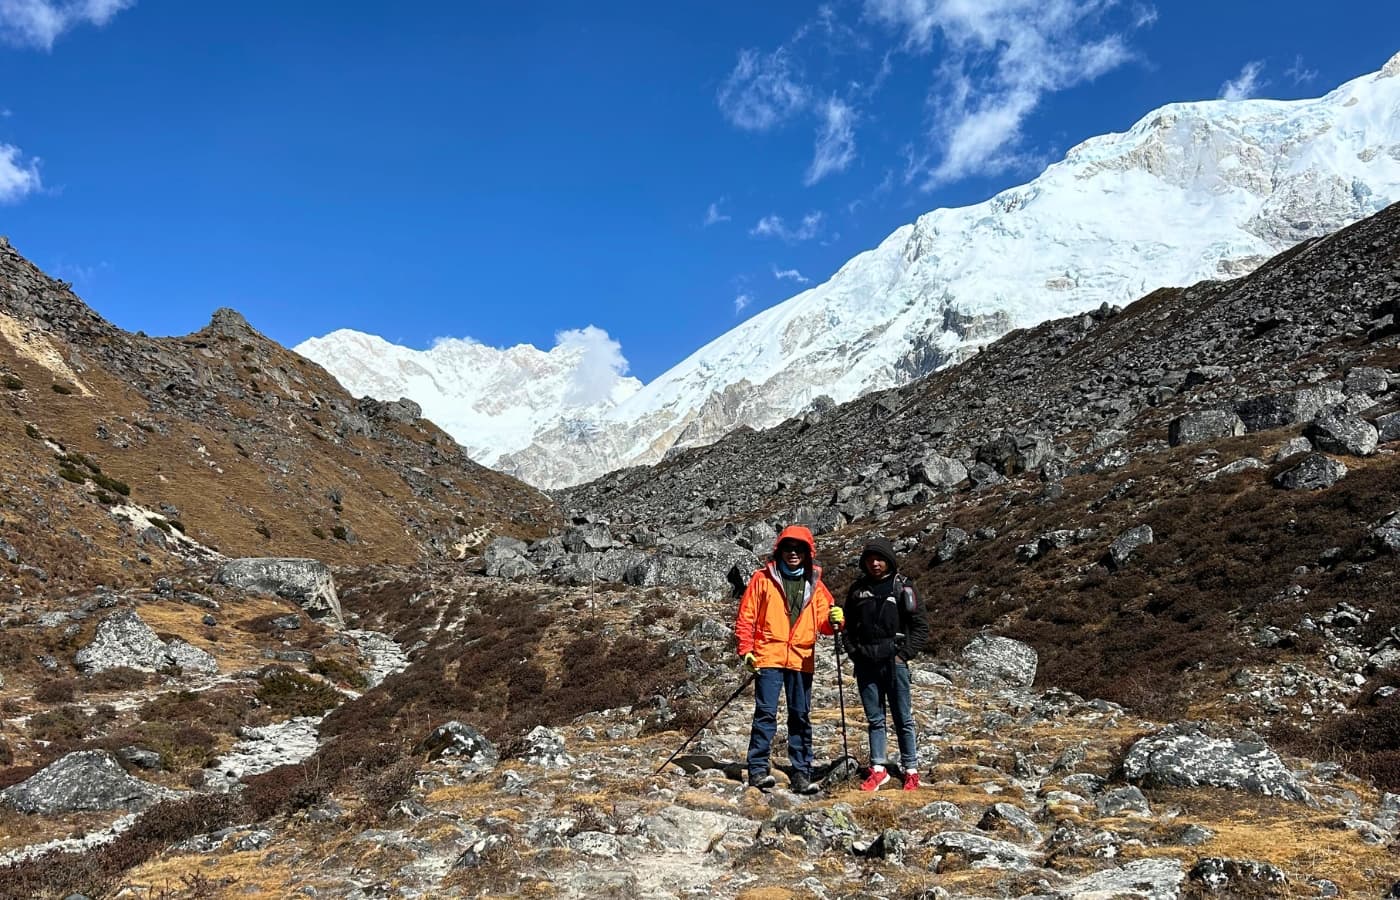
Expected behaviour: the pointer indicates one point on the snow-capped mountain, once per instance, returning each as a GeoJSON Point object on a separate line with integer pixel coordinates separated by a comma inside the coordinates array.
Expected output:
{"type": "Point", "coordinates": [1192, 191]}
{"type": "Point", "coordinates": [491, 401]}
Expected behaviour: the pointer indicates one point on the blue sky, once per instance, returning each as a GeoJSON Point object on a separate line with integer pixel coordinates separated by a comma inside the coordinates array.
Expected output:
{"type": "Point", "coordinates": [508, 171]}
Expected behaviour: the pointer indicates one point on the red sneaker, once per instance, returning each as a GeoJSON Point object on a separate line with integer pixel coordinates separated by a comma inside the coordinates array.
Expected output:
{"type": "Point", "coordinates": [911, 781]}
{"type": "Point", "coordinates": [875, 779]}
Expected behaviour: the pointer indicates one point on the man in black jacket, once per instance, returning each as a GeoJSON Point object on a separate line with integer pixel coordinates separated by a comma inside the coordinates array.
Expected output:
{"type": "Point", "coordinates": [885, 627]}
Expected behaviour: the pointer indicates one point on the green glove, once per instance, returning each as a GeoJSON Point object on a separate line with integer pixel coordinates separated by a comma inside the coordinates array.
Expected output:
{"type": "Point", "coordinates": [837, 617]}
{"type": "Point", "coordinates": [751, 662]}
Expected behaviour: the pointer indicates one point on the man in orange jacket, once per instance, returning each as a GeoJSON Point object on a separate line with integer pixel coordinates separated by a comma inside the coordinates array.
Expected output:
{"type": "Point", "coordinates": [782, 610]}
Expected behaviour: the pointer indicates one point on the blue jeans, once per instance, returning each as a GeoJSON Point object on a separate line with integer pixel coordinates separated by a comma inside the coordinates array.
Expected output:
{"type": "Point", "coordinates": [798, 688]}
{"type": "Point", "coordinates": [882, 682]}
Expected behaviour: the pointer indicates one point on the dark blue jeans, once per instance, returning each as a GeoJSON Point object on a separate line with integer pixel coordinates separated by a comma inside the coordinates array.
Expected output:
{"type": "Point", "coordinates": [887, 682]}
{"type": "Point", "coordinates": [798, 688]}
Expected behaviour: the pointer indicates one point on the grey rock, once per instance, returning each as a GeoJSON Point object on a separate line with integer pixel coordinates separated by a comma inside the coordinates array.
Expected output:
{"type": "Point", "coordinates": [1337, 431]}
{"type": "Point", "coordinates": [190, 659]}
{"type": "Point", "coordinates": [456, 741]}
{"type": "Point", "coordinates": [1004, 817]}
{"type": "Point", "coordinates": [830, 828]}
{"type": "Point", "coordinates": [1385, 536]}
{"type": "Point", "coordinates": [1001, 659]}
{"type": "Point", "coordinates": [954, 539]}
{"type": "Point", "coordinates": [596, 843]}
{"type": "Point", "coordinates": [1246, 464]}
{"type": "Point", "coordinates": [1123, 800]}
{"type": "Point", "coordinates": [1293, 447]}
{"type": "Point", "coordinates": [1205, 425]}
{"type": "Point", "coordinates": [544, 747]}
{"type": "Point", "coordinates": [1012, 453]}
{"type": "Point", "coordinates": [592, 538]}
{"type": "Point", "coordinates": [1278, 410]}
{"type": "Point", "coordinates": [9, 552]}
{"type": "Point", "coordinates": [89, 780]}
{"type": "Point", "coordinates": [140, 757]}
{"type": "Point", "coordinates": [1367, 380]}
{"type": "Point", "coordinates": [1387, 429]}
{"type": "Point", "coordinates": [1237, 876]}
{"type": "Point", "coordinates": [1140, 879]}
{"type": "Point", "coordinates": [1123, 546]}
{"type": "Point", "coordinates": [1192, 835]}
{"type": "Point", "coordinates": [306, 582]}
{"type": "Point", "coordinates": [940, 472]}
{"type": "Point", "coordinates": [980, 851]}
{"type": "Point", "coordinates": [1183, 755]}
{"type": "Point", "coordinates": [1316, 472]}
{"type": "Point", "coordinates": [287, 623]}
{"type": "Point", "coordinates": [679, 829]}
{"type": "Point", "coordinates": [122, 640]}
{"type": "Point", "coordinates": [942, 810]}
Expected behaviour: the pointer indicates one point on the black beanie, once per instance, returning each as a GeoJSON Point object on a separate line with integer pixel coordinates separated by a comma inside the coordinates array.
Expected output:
{"type": "Point", "coordinates": [881, 547]}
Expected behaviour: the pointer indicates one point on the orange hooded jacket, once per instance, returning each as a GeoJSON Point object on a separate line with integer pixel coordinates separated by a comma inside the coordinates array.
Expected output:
{"type": "Point", "coordinates": [762, 625]}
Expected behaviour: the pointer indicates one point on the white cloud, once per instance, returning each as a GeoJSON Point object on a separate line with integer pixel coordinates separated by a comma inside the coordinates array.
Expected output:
{"type": "Point", "coordinates": [600, 364]}
{"type": "Point", "coordinates": [713, 216]}
{"type": "Point", "coordinates": [1300, 73]}
{"type": "Point", "coordinates": [774, 226]}
{"type": "Point", "coordinates": [762, 91]}
{"type": "Point", "coordinates": [790, 275]}
{"type": "Point", "coordinates": [836, 141]}
{"type": "Point", "coordinates": [1244, 85]}
{"type": "Point", "coordinates": [18, 176]}
{"type": "Point", "coordinates": [999, 59]}
{"type": "Point", "coordinates": [741, 302]}
{"type": "Point", "coordinates": [38, 23]}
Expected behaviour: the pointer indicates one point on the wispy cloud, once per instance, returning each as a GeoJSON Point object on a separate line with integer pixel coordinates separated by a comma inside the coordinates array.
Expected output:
{"type": "Point", "coordinates": [741, 302]}
{"type": "Point", "coordinates": [1000, 58]}
{"type": "Point", "coordinates": [599, 366]}
{"type": "Point", "coordinates": [1244, 85]}
{"type": "Point", "coordinates": [1300, 73]}
{"type": "Point", "coordinates": [38, 23]}
{"type": "Point", "coordinates": [775, 227]}
{"type": "Point", "coordinates": [19, 177]}
{"type": "Point", "coordinates": [790, 275]}
{"type": "Point", "coordinates": [763, 90]}
{"type": "Point", "coordinates": [836, 141]}
{"type": "Point", "coordinates": [713, 216]}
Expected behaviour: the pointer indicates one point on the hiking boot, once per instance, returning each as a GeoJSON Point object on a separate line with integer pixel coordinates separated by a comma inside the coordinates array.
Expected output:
{"type": "Point", "coordinates": [802, 784]}
{"type": "Point", "coordinates": [877, 777]}
{"type": "Point", "coordinates": [911, 781]}
{"type": "Point", "coordinates": [762, 780]}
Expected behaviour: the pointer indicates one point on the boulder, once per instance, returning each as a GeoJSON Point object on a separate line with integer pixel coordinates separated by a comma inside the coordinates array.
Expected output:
{"type": "Point", "coordinates": [1123, 800]}
{"type": "Point", "coordinates": [831, 828]}
{"type": "Point", "coordinates": [190, 659]}
{"type": "Point", "coordinates": [544, 747]}
{"type": "Point", "coordinates": [940, 472]}
{"type": "Point", "coordinates": [1278, 410]}
{"type": "Point", "coordinates": [89, 780]}
{"type": "Point", "coordinates": [1205, 425]}
{"type": "Point", "coordinates": [122, 641]}
{"type": "Point", "coordinates": [1000, 659]}
{"type": "Point", "coordinates": [1316, 472]}
{"type": "Point", "coordinates": [1123, 546]}
{"type": "Point", "coordinates": [1011, 453]}
{"type": "Point", "coordinates": [1141, 879]}
{"type": "Point", "coordinates": [1335, 430]}
{"type": "Point", "coordinates": [1293, 447]}
{"type": "Point", "coordinates": [1387, 429]}
{"type": "Point", "coordinates": [953, 540]}
{"type": "Point", "coordinates": [456, 741]}
{"type": "Point", "coordinates": [306, 582]}
{"type": "Point", "coordinates": [1367, 380]}
{"type": "Point", "coordinates": [1236, 877]}
{"type": "Point", "coordinates": [1183, 755]}
{"type": "Point", "coordinates": [506, 558]}
{"type": "Point", "coordinates": [979, 851]}
{"type": "Point", "coordinates": [1385, 536]}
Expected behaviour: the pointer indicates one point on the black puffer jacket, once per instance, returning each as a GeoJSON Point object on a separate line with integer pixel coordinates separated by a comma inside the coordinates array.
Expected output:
{"type": "Point", "coordinates": [885, 617]}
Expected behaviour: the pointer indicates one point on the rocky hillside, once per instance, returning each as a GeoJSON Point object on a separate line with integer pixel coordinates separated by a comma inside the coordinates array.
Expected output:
{"type": "Point", "coordinates": [124, 455]}
{"type": "Point", "coordinates": [1160, 545]}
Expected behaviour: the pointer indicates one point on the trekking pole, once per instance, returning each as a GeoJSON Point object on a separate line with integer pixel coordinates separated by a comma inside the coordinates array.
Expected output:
{"type": "Point", "coordinates": [730, 699]}
{"type": "Point", "coordinates": [841, 695]}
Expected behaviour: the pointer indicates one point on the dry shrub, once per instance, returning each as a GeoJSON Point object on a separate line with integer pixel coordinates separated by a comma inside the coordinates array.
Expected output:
{"type": "Point", "coordinates": [56, 690]}
{"type": "Point", "coordinates": [118, 679]}
{"type": "Point", "coordinates": [287, 692]}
